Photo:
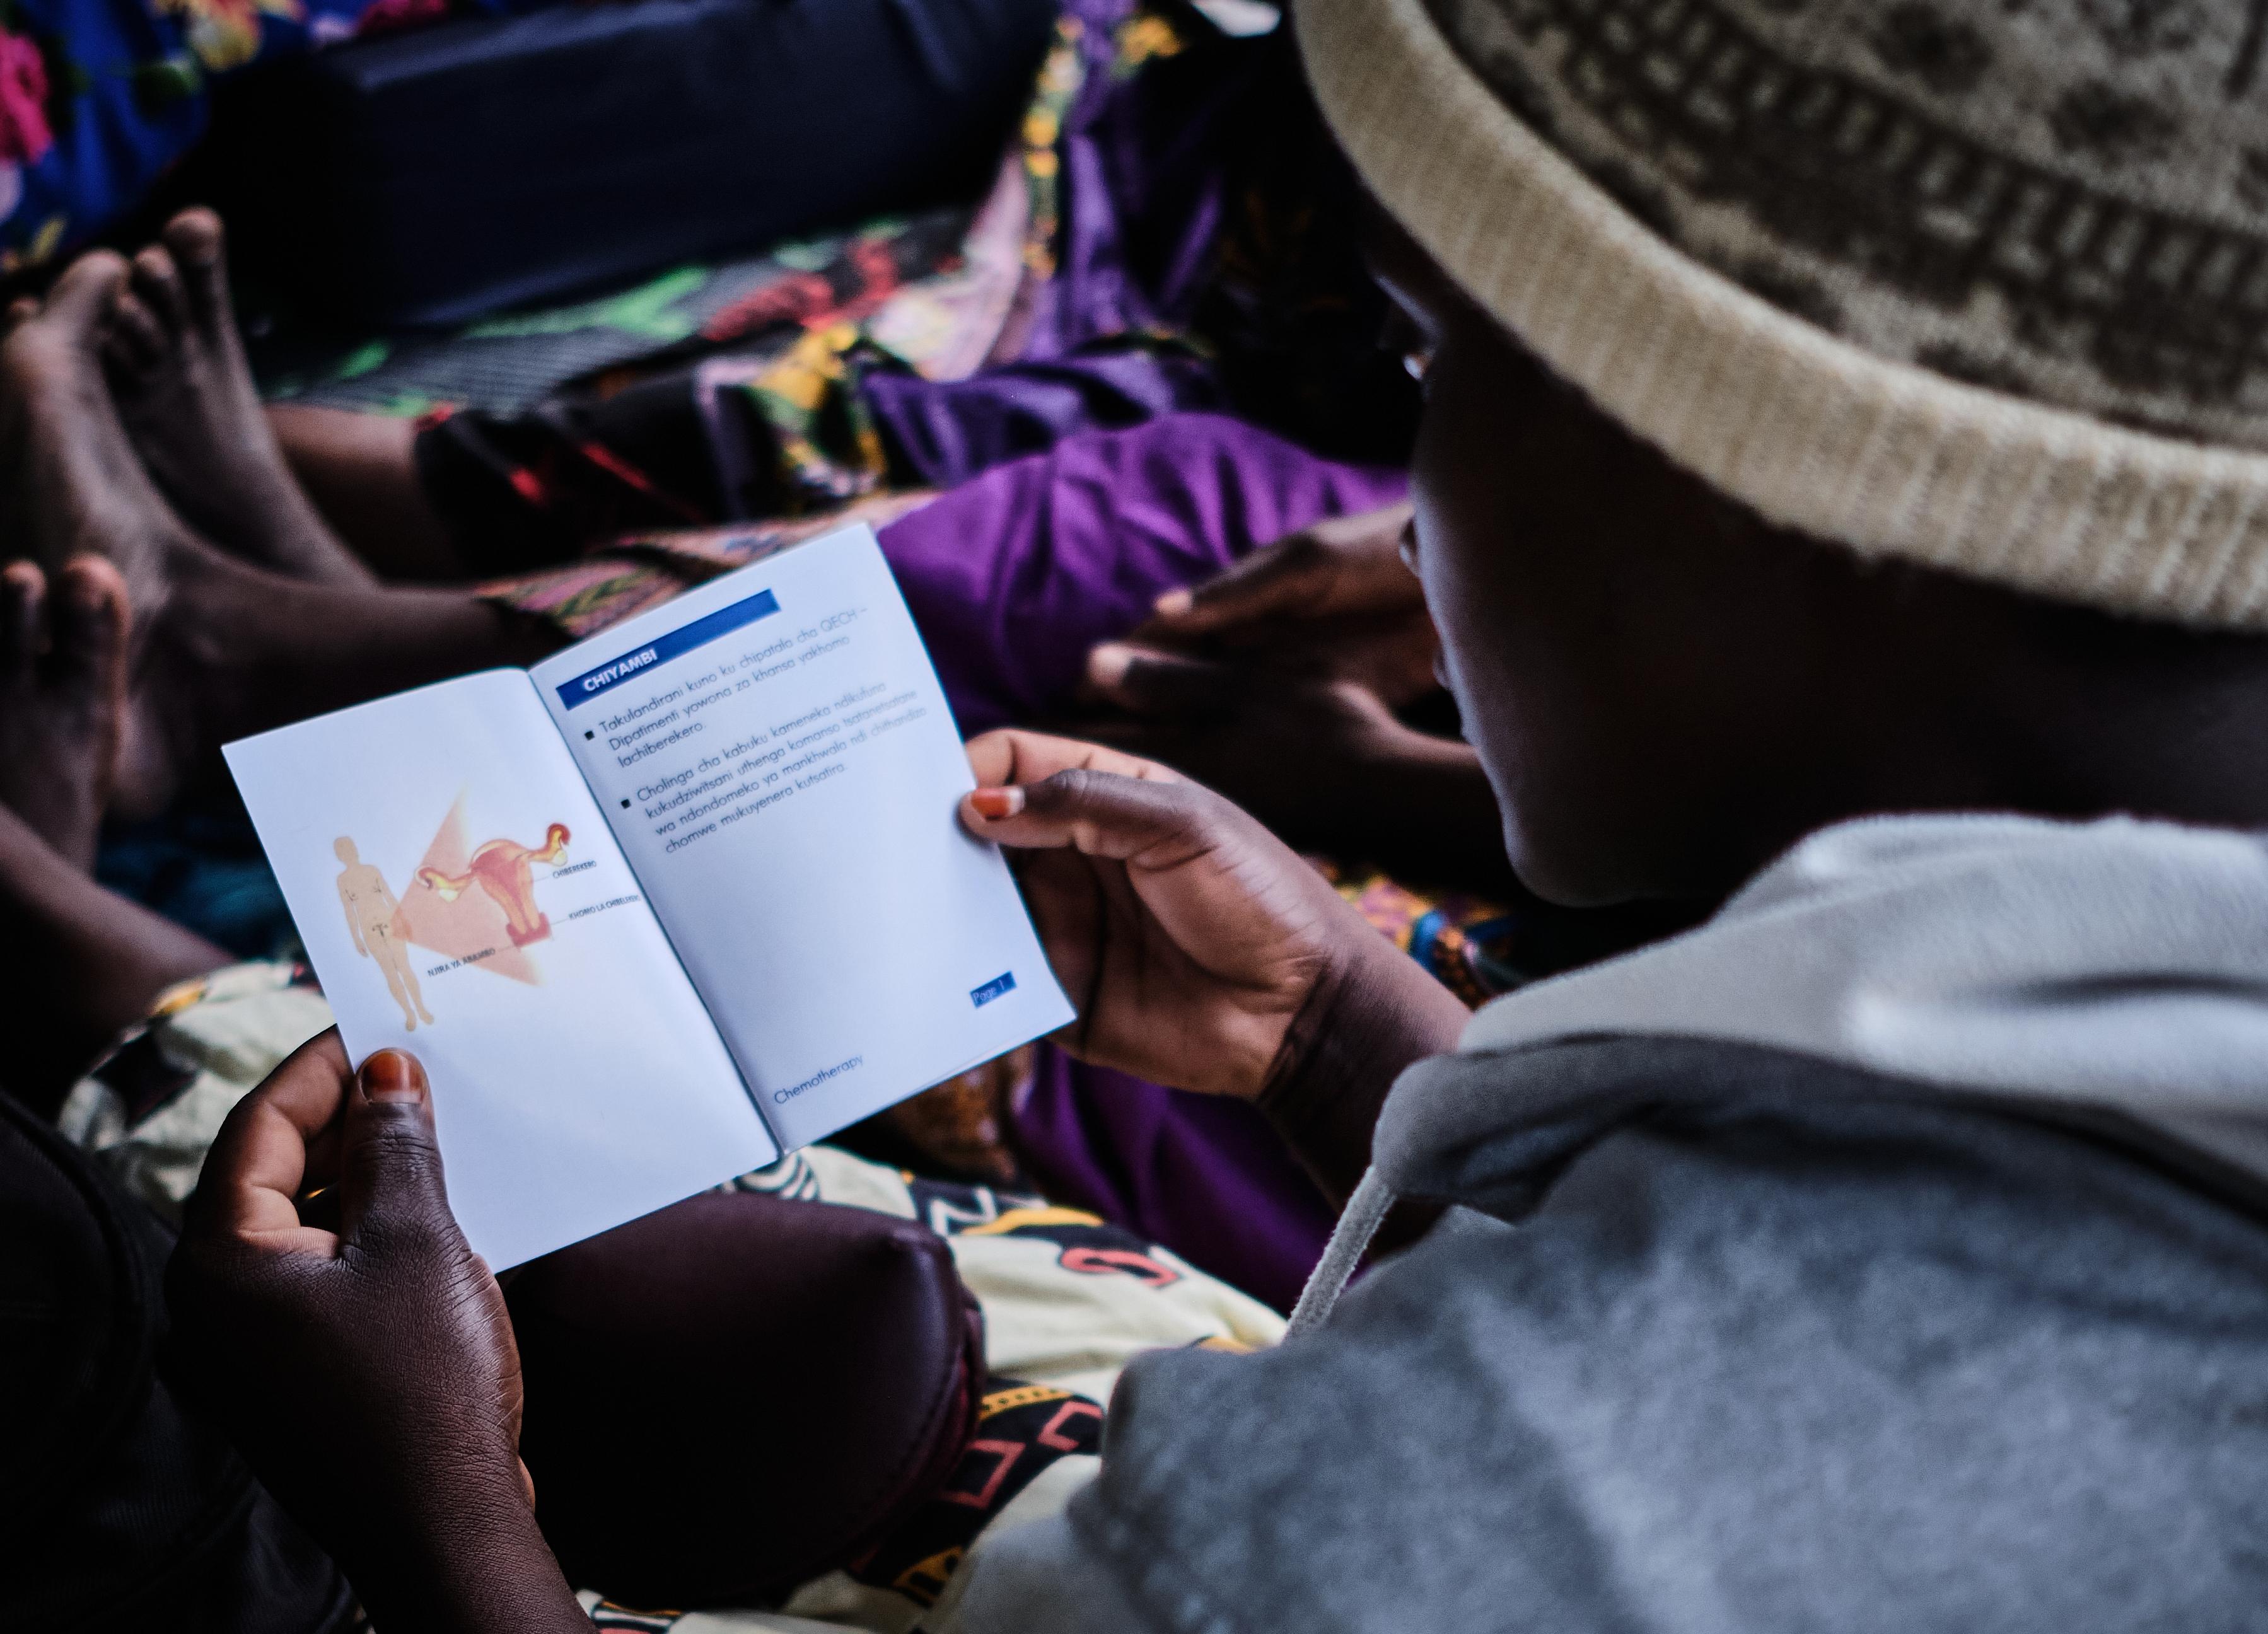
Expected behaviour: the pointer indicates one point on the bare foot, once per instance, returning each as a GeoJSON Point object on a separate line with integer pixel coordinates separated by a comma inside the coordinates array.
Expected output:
{"type": "Point", "coordinates": [72, 486]}
{"type": "Point", "coordinates": [176, 368]}
{"type": "Point", "coordinates": [220, 647]}
{"type": "Point", "coordinates": [69, 484]}
{"type": "Point", "coordinates": [63, 698]}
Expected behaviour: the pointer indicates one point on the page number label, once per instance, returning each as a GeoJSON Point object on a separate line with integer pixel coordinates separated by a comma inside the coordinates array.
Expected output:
{"type": "Point", "coordinates": [1004, 983]}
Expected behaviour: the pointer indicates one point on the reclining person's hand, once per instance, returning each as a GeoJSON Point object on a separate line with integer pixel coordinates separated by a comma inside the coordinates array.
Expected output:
{"type": "Point", "coordinates": [1324, 763]}
{"type": "Point", "coordinates": [1279, 681]}
{"type": "Point", "coordinates": [1337, 599]}
{"type": "Point", "coordinates": [1190, 938]}
{"type": "Point", "coordinates": [368, 1373]}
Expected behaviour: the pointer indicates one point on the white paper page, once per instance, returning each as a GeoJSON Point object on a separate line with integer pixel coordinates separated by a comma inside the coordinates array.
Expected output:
{"type": "Point", "coordinates": [577, 1082]}
{"type": "Point", "coordinates": [781, 767]}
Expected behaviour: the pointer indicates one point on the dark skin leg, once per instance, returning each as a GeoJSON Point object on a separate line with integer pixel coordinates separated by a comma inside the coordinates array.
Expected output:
{"type": "Point", "coordinates": [70, 484]}
{"type": "Point", "coordinates": [220, 647]}
{"type": "Point", "coordinates": [359, 471]}
{"type": "Point", "coordinates": [268, 485]}
{"type": "Point", "coordinates": [63, 698]}
{"type": "Point", "coordinates": [177, 371]}
{"type": "Point", "coordinates": [97, 960]}
{"type": "Point", "coordinates": [102, 960]}
{"type": "Point", "coordinates": [244, 651]}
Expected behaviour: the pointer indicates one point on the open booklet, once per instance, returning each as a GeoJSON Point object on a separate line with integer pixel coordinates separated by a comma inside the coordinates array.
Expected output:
{"type": "Point", "coordinates": [685, 896]}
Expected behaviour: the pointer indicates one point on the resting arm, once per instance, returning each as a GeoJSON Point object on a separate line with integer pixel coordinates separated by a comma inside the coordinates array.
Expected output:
{"type": "Point", "coordinates": [1372, 1014]}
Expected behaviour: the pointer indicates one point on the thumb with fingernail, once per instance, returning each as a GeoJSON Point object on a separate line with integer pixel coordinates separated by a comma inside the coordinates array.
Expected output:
{"type": "Point", "coordinates": [390, 1168]}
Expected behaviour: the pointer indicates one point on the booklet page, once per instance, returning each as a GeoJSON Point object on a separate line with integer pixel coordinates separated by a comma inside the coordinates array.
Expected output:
{"type": "Point", "coordinates": [782, 770]}
{"type": "Point", "coordinates": [459, 896]}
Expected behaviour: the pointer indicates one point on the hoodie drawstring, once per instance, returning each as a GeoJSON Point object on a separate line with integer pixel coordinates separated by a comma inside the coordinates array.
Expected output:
{"type": "Point", "coordinates": [1365, 1212]}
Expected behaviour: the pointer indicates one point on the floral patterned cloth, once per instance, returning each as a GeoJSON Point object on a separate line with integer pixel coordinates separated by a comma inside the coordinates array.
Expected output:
{"type": "Point", "coordinates": [100, 98]}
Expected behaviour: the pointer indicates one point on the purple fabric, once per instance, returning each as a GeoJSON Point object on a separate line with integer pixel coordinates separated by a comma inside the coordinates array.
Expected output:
{"type": "Point", "coordinates": [1142, 184]}
{"type": "Point", "coordinates": [1015, 574]}
{"type": "Point", "coordinates": [1142, 181]}
{"type": "Point", "coordinates": [1013, 577]}
{"type": "Point", "coordinates": [946, 431]}
{"type": "Point", "coordinates": [1206, 1177]}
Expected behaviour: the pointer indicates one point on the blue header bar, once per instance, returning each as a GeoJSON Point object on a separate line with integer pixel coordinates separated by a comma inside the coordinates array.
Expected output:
{"type": "Point", "coordinates": [701, 631]}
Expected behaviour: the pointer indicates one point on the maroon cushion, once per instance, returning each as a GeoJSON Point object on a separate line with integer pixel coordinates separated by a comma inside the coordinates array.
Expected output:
{"type": "Point", "coordinates": [736, 1394]}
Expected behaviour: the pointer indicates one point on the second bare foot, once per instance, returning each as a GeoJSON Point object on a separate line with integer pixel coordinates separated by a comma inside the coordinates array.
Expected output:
{"type": "Point", "coordinates": [177, 369]}
{"type": "Point", "coordinates": [63, 698]}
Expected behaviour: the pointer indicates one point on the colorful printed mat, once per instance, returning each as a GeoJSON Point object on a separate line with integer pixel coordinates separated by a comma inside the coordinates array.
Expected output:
{"type": "Point", "coordinates": [508, 363]}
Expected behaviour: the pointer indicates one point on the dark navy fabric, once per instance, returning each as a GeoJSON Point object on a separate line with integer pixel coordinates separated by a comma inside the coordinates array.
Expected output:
{"type": "Point", "coordinates": [436, 175]}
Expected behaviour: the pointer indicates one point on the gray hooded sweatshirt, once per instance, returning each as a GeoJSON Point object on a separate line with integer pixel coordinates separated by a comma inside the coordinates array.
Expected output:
{"type": "Point", "coordinates": [1888, 1254]}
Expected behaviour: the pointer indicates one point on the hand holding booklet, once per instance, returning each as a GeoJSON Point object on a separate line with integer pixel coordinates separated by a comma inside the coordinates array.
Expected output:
{"type": "Point", "coordinates": [680, 898]}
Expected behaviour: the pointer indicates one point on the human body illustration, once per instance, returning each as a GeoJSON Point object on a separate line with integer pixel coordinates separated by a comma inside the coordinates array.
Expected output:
{"type": "Point", "coordinates": [501, 868]}
{"type": "Point", "coordinates": [370, 907]}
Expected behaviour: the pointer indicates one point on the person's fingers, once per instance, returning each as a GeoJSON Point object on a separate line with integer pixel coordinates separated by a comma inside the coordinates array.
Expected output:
{"type": "Point", "coordinates": [1099, 813]}
{"type": "Point", "coordinates": [390, 1178]}
{"type": "Point", "coordinates": [1067, 908]}
{"type": "Point", "coordinates": [1146, 682]}
{"type": "Point", "coordinates": [258, 1163]}
{"type": "Point", "coordinates": [1284, 578]}
{"type": "Point", "coordinates": [1011, 756]}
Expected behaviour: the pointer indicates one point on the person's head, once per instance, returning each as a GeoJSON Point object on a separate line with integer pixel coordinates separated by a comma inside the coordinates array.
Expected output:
{"type": "Point", "coordinates": [343, 849]}
{"type": "Point", "coordinates": [1725, 536]}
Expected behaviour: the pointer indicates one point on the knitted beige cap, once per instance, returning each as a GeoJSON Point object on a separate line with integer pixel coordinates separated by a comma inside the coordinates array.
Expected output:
{"type": "Point", "coordinates": [1978, 283]}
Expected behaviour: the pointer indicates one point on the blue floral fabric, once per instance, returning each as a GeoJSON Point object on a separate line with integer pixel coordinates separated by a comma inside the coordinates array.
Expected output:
{"type": "Point", "coordinates": [100, 98]}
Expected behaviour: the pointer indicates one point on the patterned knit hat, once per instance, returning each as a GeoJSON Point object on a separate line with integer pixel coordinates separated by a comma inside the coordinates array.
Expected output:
{"type": "Point", "coordinates": [1978, 283]}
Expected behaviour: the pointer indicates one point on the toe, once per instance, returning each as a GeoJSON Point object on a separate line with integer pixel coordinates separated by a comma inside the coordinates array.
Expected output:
{"type": "Point", "coordinates": [81, 300]}
{"type": "Point", "coordinates": [200, 248]}
{"type": "Point", "coordinates": [157, 285]}
{"type": "Point", "coordinates": [23, 592]}
{"type": "Point", "coordinates": [195, 236]}
{"type": "Point", "coordinates": [91, 626]}
{"type": "Point", "coordinates": [136, 342]}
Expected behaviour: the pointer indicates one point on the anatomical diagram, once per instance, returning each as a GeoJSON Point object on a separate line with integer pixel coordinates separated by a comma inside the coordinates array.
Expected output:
{"type": "Point", "coordinates": [501, 868]}
{"type": "Point", "coordinates": [371, 910]}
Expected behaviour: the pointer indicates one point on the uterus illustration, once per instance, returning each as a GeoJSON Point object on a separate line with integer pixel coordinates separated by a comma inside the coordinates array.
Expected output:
{"type": "Point", "coordinates": [503, 869]}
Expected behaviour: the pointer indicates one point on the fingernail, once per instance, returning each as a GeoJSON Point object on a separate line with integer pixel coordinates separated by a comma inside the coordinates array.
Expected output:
{"type": "Point", "coordinates": [1106, 664]}
{"type": "Point", "coordinates": [1173, 603]}
{"type": "Point", "coordinates": [392, 1075]}
{"type": "Point", "coordinates": [998, 803]}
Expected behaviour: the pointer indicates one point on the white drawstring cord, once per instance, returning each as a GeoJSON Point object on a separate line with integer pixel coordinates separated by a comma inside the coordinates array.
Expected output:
{"type": "Point", "coordinates": [1365, 1212]}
